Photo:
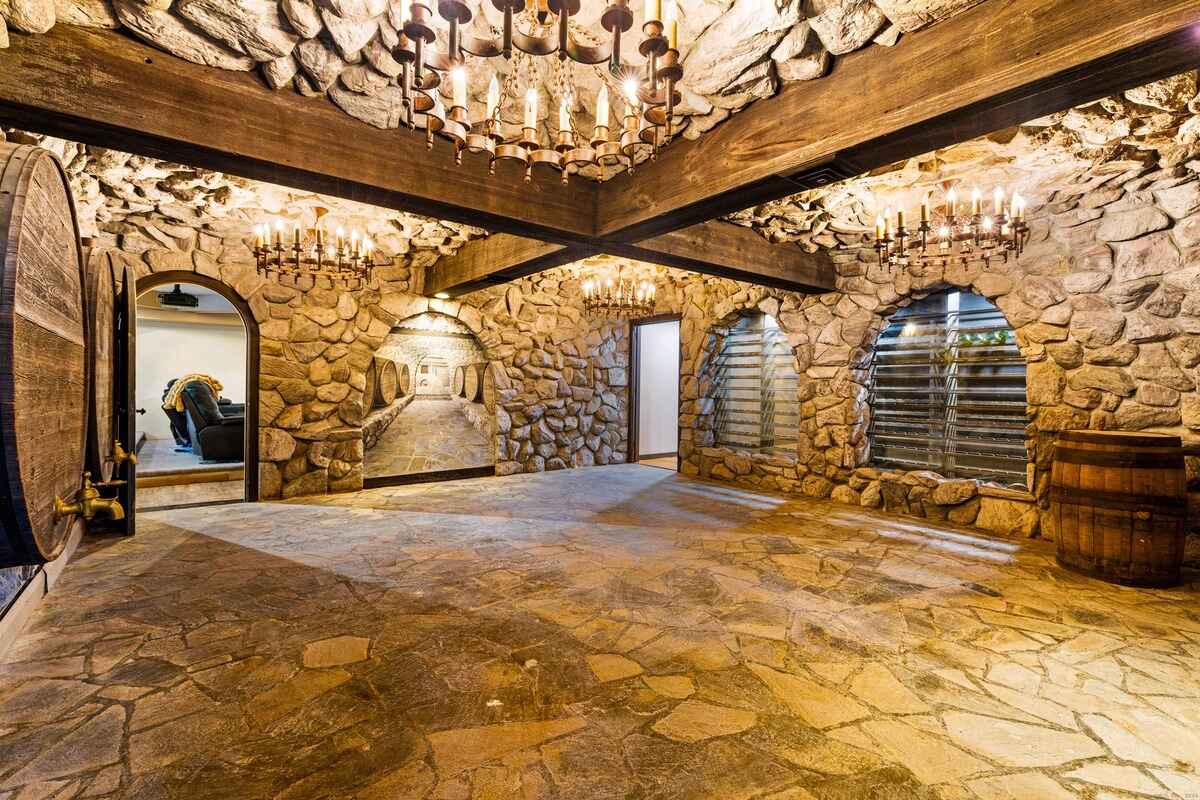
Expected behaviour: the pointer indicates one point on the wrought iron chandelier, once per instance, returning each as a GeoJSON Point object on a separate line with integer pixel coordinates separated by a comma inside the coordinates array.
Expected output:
{"type": "Point", "coordinates": [347, 263]}
{"type": "Point", "coordinates": [972, 238]}
{"type": "Point", "coordinates": [618, 296]}
{"type": "Point", "coordinates": [544, 28]}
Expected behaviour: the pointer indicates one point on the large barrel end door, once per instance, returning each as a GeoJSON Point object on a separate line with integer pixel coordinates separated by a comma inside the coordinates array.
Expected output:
{"type": "Point", "coordinates": [44, 367]}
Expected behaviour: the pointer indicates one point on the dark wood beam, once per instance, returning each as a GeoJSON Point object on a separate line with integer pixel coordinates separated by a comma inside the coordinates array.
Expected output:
{"type": "Point", "coordinates": [104, 88]}
{"type": "Point", "coordinates": [731, 251]}
{"type": "Point", "coordinates": [499, 258]}
{"type": "Point", "coordinates": [711, 248]}
{"type": "Point", "coordinates": [1000, 64]}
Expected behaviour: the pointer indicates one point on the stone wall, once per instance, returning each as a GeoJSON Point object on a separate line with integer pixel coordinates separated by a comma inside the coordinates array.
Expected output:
{"type": "Point", "coordinates": [1106, 310]}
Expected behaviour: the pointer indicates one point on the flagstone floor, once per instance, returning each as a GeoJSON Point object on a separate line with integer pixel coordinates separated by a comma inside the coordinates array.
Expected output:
{"type": "Point", "coordinates": [615, 632]}
{"type": "Point", "coordinates": [431, 434]}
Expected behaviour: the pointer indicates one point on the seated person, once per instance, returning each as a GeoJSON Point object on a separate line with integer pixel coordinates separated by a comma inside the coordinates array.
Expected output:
{"type": "Point", "coordinates": [172, 405]}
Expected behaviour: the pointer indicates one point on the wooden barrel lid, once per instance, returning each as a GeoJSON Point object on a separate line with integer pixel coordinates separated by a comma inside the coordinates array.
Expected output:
{"type": "Point", "coordinates": [43, 353]}
{"type": "Point", "coordinates": [404, 380]}
{"type": "Point", "coordinates": [473, 382]}
{"type": "Point", "coordinates": [386, 381]}
{"type": "Point", "coordinates": [101, 294]}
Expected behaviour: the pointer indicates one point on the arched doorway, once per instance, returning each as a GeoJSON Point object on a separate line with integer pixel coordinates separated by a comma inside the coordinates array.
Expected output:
{"type": "Point", "coordinates": [441, 425]}
{"type": "Point", "coordinates": [200, 450]}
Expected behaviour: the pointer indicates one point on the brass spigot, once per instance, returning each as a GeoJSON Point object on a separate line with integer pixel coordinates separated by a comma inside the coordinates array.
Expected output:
{"type": "Point", "coordinates": [89, 504]}
{"type": "Point", "coordinates": [121, 456]}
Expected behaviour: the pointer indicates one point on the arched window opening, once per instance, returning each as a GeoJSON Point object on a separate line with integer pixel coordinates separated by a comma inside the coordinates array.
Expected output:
{"type": "Point", "coordinates": [948, 391]}
{"type": "Point", "coordinates": [756, 387]}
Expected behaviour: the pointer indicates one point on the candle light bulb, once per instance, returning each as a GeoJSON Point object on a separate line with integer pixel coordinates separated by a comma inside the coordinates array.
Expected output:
{"type": "Point", "coordinates": [925, 208]}
{"type": "Point", "coordinates": [531, 102]}
{"type": "Point", "coordinates": [564, 114]}
{"type": "Point", "coordinates": [278, 233]}
{"type": "Point", "coordinates": [653, 11]}
{"type": "Point", "coordinates": [405, 14]}
{"type": "Point", "coordinates": [998, 201]}
{"type": "Point", "coordinates": [976, 200]}
{"type": "Point", "coordinates": [671, 20]}
{"type": "Point", "coordinates": [952, 203]}
{"type": "Point", "coordinates": [631, 94]}
{"type": "Point", "coordinates": [341, 237]}
{"type": "Point", "coordinates": [296, 234]}
{"type": "Point", "coordinates": [880, 227]}
{"type": "Point", "coordinates": [602, 107]}
{"type": "Point", "coordinates": [493, 98]}
{"type": "Point", "coordinates": [458, 82]}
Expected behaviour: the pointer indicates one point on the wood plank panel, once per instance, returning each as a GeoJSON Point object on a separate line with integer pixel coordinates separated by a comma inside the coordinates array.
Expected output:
{"type": "Point", "coordinates": [104, 88]}
{"type": "Point", "coordinates": [1000, 64]}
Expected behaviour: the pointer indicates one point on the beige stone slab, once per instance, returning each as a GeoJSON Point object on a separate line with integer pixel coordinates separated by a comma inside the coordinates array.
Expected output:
{"type": "Point", "coordinates": [877, 686]}
{"type": "Point", "coordinates": [695, 721]}
{"type": "Point", "coordinates": [1123, 744]}
{"type": "Point", "coordinates": [1116, 776]}
{"type": "Point", "coordinates": [817, 705]}
{"type": "Point", "coordinates": [336, 651]}
{"type": "Point", "coordinates": [1020, 786]}
{"type": "Point", "coordinates": [612, 667]}
{"type": "Point", "coordinates": [930, 758]}
{"type": "Point", "coordinates": [1017, 744]}
{"type": "Point", "coordinates": [456, 751]}
{"type": "Point", "coordinates": [678, 687]}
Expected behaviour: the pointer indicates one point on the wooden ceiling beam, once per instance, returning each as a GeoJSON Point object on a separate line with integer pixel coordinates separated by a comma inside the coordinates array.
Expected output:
{"type": "Point", "coordinates": [711, 248]}
{"type": "Point", "coordinates": [104, 88]}
{"type": "Point", "coordinates": [499, 258]}
{"type": "Point", "coordinates": [999, 64]}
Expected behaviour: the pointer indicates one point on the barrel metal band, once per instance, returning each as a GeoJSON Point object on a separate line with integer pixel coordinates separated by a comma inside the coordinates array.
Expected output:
{"type": "Point", "coordinates": [1122, 501]}
{"type": "Point", "coordinates": [1107, 458]}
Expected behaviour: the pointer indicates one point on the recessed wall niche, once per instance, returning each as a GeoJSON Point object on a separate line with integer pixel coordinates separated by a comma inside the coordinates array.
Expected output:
{"type": "Point", "coordinates": [433, 404]}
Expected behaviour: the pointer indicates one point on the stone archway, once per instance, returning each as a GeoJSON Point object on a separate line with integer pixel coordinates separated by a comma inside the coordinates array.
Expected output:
{"type": "Point", "coordinates": [250, 447]}
{"type": "Point", "coordinates": [432, 432]}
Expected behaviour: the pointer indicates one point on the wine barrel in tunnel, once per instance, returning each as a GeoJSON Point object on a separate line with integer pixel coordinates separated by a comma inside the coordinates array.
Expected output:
{"type": "Point", "coordinates": [1120, 504]}
{"type": "Point", "coordinates": [43, 355]}
{"type": "Point", "coordinates": [473, 382]}
{"type": "Point", "coordinates": [403, 380]}
{"type": "Point", "coordinates": [456, 385]}
{"type": "Point", "coordinates": [385, 381]}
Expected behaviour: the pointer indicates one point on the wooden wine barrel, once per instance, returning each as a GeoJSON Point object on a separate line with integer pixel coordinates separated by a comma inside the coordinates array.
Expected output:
{"type": "Point", "coordinates": [403, 380]}
{"type": "Point", "coordinates": [385, 381]}
{"type": "Point", "coordinates": [1120, 503]}
{"type": "Point", "coordinates": [102, 429]}
{"type": "Point", "coordinates": [489, 387]}
{"type": "Point", "coordinates": [456, 384]}
{"type": "Point", "coordinates": [369, 389]}
{"type": "Point", "coordinates": [473, 382]}
{"type": "Point", "coordinates": [43, 354]}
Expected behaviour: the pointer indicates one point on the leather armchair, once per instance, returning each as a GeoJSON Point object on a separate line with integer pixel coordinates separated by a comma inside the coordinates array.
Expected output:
{"type": "Point", "coordinates": [218, 433]}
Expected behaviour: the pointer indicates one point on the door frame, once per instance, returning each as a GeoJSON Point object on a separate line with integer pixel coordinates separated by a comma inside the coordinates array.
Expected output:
{"type": "Point", "coordinates": [250, 463]}
{"type": "Point", "coordinates": [635, 388]}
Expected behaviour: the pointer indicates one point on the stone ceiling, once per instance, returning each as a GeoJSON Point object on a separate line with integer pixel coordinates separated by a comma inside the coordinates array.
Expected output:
{"type": "Point", "coordinates": [735, 51]}
{"type": "Point", "coordinates": [1155, 126]}
{"type": "Point", "coordinates": [137, 203]}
